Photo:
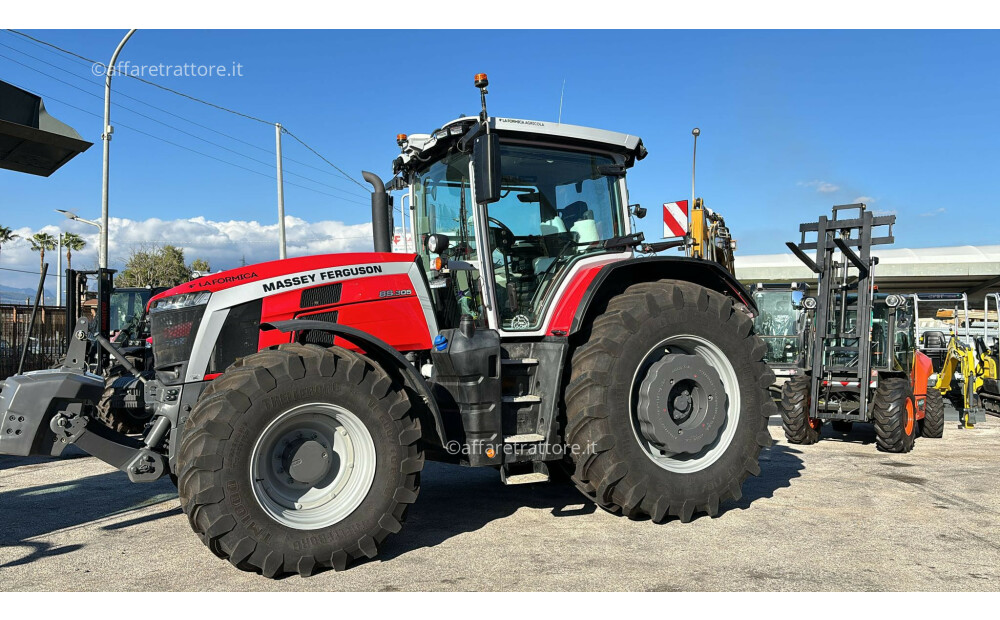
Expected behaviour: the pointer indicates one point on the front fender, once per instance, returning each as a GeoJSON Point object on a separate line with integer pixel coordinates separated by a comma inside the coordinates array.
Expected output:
{"type": "Point", "coordinates": [376, 349]}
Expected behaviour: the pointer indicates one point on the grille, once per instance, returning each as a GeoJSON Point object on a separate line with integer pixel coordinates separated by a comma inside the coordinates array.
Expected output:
{"type": "Point", "coordinates": [316, 337]}
{"type": "Point", "coordinates": [173, 334]}
{"type": "Point", "coordinates": [238, 337]}
{"type": "Point", "coordinates": [320, 296]}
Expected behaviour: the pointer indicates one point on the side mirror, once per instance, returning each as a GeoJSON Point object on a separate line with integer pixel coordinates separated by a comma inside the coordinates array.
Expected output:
{"type": "Point", "coordinates": [638, 211]}
{"type": "Point", "coordinates": [486, 158]}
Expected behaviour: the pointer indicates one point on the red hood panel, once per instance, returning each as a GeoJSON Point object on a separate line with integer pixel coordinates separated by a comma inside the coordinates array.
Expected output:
{"type": "Point", "coordinates": [263, 271]}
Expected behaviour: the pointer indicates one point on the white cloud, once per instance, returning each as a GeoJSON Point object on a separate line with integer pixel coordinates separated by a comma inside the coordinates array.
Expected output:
{"type": "Point", "coordinates": [865, 199]}
{"type": "Point", "coordinates": [223, 244]}
{"type": "Point", "coordinates": [823, 187]}
{"type": "Point", "coordinates": [937, 211]}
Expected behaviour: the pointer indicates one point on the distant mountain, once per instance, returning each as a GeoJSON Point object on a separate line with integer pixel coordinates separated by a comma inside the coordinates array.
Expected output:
{"type": "Point", "coordinates": [11, 295]}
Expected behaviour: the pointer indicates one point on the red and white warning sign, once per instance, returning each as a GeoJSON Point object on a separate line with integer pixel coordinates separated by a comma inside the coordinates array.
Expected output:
{"type": "Point", "coordinates": [675, 218]}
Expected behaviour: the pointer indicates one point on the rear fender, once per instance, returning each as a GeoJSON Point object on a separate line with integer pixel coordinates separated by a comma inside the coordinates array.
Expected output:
{"type": "Point", "coordinates": [386, 356]}
{"type": "Point", "coordinates": [615, 277]}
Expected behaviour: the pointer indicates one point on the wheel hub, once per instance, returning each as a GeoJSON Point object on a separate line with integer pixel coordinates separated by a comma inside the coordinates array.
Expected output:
{"type": "Point", "coordinates": [682, 404]}
{"type": "Point", "coordinates": [307, 461]}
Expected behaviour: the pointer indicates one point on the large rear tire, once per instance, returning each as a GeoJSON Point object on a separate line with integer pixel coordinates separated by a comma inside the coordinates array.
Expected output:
{"type": "Point", "coordinates": [798, 426]}
{"type": "Point", "coordinates": [299, 459]}
{"type": "Point", "coordinates": [655, 339]}
{"type": "Point", "coordinates": [933, 423]}
{"type": "Point", "coordinates": [894, 415]}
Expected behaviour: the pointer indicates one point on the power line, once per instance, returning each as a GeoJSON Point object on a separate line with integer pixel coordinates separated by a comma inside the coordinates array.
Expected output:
{"type": "Point", "coordinates": [188, 133]}
{"type": "Point", "coordinates": [144, 81]}
{"type": "Point", "coordinates": [193, 98]}
{"type": "Point", "coordinates": [187, 148]}
{"type": "Point", "coordinates": [347, 176]}
{"type": "Point", "coordinates": [178, 116]}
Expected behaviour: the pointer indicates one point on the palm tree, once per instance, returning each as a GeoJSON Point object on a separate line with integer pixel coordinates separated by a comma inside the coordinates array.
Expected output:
{"type": "Point", "coordinates": [41, 242]}
{"type": "Point", "coordinates": [72, 241]}
{"type": "Point", "coordinates": [6, 236]}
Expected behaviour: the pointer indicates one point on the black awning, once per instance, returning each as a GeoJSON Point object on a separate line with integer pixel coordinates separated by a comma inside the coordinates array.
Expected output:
{"type": "Point", "coordinates": [31, 140]}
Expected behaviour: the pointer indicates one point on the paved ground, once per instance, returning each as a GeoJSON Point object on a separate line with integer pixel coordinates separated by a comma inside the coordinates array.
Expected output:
{"type": "Point", "coordinates": [836, 515]}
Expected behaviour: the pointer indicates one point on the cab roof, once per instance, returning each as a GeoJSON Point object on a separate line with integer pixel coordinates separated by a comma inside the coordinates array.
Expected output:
{"type": "Point", "coordinates": [418, 147]}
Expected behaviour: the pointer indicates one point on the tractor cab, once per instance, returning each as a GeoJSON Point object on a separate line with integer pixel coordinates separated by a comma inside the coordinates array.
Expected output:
{"type": "Point", "coordinates": [562, 202]}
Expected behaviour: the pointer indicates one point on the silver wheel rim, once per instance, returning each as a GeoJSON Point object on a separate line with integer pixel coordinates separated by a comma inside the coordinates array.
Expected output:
{"type": "Point", "coordinates": [708, 351]}
{"type": "Point", "coordinates": [313, 466]}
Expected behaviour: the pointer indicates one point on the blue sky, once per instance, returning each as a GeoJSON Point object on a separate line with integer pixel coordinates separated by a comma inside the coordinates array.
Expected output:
{"type": "Point", "coordinates": [792, 122]}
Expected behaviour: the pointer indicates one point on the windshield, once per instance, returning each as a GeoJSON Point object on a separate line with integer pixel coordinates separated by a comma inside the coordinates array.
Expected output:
{"type": "Point", "coordinates": [778, 324]}
{"type": "Point", "coordinates": [127, 306]}
{"type": "Point", "coordinates": [555, 207]}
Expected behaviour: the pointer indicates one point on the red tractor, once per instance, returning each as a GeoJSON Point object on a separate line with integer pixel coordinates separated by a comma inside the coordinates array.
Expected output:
{"type": "Point", "coordinates": [296, 401]}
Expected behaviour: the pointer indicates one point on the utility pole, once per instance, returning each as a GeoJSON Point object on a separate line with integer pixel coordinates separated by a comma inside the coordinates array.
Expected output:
{"type": "Point", "coordinates": [281, 194]}
{"type": "Point", "coordinates": [59, 271]}
{"type": "Point", "coordinates": [102, 254]}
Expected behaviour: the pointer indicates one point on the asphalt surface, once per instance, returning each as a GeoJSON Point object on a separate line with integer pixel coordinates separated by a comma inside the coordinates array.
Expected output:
{"type": "Point", "coordinates": [837, 515]}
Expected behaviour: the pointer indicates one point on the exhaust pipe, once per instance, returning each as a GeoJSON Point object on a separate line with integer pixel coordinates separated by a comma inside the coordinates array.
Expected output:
{"type": "Point", "coordinates": [380, 213]}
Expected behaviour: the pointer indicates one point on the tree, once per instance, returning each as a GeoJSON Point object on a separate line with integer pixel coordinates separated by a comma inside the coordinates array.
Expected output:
{"type": "Point", "coordinates": [39, 243]}
{"type": "Point", "coordinates": [154, 265]}
{"type": "Point", "coordinates": [72, 242]}
{"type": "Point", "coordinates": [6, 236]}
{"type": "Point", "coordinates": [200, 264]}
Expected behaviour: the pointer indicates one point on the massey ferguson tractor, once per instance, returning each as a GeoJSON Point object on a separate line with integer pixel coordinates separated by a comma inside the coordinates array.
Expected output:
{"type": "Point", "coordinates": [294, 402]}
{"type": "Point", "coordinates": [863, 364]}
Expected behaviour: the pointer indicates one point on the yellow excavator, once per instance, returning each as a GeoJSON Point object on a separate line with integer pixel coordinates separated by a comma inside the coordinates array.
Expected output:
{"type": "Point", "coordinates": [966, 372]}
{"type": "Point", "coordinates": [710, 238]}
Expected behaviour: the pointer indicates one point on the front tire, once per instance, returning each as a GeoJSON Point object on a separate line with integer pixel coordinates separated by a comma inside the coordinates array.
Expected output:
{"type": "Point", "coordinates": [639, 350]}
{"type": "Point", "coordinates": [894, 415]}
{"type": "Point", "coordinates": [798, 426]}
{"type": "Point", "coordinates": [298, 460]}
{"type": "Point", "coordinates": [933, 425]}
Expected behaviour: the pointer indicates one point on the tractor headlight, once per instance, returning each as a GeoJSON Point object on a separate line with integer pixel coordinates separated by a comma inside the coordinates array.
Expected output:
{"type": "Point", "coordinates": [894, 300]}
{"type": "Point", "coordinates": [184, 300]}
{"type": "Point", "coordinates": [809, 303]}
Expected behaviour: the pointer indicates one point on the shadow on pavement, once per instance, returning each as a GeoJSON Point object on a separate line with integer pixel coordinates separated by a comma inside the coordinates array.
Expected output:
{"type": "Point", "coordinates": [455, 500]}
{"type": "Point", "coordinates": [779, 465]}
{"type": "Point", "coordinates": [30, 512]}
{"type": "Point", "coordinates": [861, 433]}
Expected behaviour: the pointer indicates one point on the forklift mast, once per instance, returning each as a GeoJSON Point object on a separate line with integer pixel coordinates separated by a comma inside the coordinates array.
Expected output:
{"type": "Point", "coordinates": [852, 231]}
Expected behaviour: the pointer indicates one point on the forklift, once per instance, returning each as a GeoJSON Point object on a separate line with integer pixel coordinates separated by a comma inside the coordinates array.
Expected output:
{"type": "Point", "coordinates": [863, 363]}
{"type": "Point", "coordinates": [120, 352]}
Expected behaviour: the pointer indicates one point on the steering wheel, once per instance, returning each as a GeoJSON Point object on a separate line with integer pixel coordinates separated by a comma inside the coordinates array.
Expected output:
{"type": "Point", "coordinates": [507, 239]}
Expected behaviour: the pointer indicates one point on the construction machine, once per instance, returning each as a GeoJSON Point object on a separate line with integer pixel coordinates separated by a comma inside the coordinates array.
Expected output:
{"type": "Point", "coordinates": [863, 364]}
{"type": "Point", "coordinates": [710, 238]}
{"type": "Point", "coordinates": [990, 391]}
{"type": "Point", "coordinates": [296, 401]}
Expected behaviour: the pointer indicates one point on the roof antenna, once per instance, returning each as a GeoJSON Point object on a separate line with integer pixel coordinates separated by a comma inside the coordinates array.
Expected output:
{"type": "Point", "coordinates": [561, 93]}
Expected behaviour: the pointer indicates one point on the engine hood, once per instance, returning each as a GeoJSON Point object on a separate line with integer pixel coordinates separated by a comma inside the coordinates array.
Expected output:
{"type": "Point", "coordinates": [266, 271]}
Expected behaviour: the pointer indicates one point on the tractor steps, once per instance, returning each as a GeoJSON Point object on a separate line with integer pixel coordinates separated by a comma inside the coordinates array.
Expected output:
{"type": "Point", "coordinates": [525, 438]}
{"type": "Point", "coordinates": [526, 361]}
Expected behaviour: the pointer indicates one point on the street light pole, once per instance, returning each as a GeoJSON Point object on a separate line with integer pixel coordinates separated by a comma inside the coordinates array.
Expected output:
{"type": "Point", "coordinates": [281, 194]}
{"type": "Point", "coordinates": [102, 254]}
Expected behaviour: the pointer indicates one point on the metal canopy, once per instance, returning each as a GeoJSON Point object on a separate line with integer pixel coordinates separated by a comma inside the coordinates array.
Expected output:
{"type": "Point", "coordinates": [31, 140]}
